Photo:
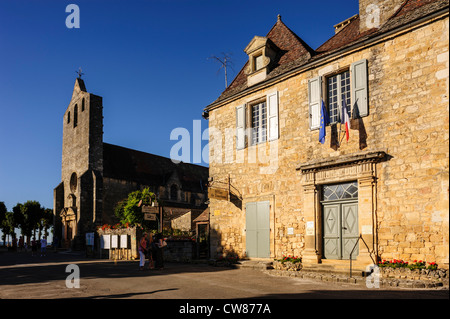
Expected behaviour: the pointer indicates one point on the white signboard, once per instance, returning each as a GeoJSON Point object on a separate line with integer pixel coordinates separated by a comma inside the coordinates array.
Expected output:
{"type": "Point", "coordinates": [105, 242]}
{"type": "Point", "coordinates": [115, 241]}
{"type": "Point", "coordinates": [123, 241]}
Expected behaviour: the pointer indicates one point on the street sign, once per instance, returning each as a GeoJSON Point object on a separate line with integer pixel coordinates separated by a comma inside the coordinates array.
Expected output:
{"type": "Point", "coordinates": [150, 209]}
{"type": "Point", "coordinates": [217, 193]}
{"type": "Point", "coordinates": [149, 216]}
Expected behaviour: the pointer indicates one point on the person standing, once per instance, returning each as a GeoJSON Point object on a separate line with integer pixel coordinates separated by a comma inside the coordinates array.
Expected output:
{"type": "Point", "coordinates": [142, 251]}
{"type": "Point", "coordinates": [159, 244]}
{"type": "Point", "coordinates": [33, 247]}
{"type": "Point", "coordinates": [44, 246]}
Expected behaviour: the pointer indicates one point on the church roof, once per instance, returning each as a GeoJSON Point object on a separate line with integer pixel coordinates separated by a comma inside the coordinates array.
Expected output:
{"type": "Point", "coordinates": [148, 169]}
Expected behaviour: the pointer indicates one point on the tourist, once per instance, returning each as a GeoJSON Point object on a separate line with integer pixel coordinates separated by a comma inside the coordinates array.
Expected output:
{"type": "Point", "coordinates": [159, 245]}
{"type": "Point", "coordinates": [150, 252]}
{"type": "Point", "coordinates": [44, 246]}
{"type": "Point", "coordinates": [142, 251]}
{"type": "Point", "coordinates": [33, 247]}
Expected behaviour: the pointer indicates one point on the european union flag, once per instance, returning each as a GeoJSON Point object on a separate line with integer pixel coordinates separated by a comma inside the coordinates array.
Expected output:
{"type": "Point", "coordinates": [324, 120]}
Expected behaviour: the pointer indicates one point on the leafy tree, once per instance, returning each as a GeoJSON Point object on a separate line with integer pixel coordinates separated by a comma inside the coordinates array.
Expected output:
{"type": "Point", "coordinates": [28, 216]}
{"type": "Point", "coordinates": [2, 211]}
{"type": "Point", "coordinates": [7, 226]}
{"type": "Point", "coordinates": [130, 210]}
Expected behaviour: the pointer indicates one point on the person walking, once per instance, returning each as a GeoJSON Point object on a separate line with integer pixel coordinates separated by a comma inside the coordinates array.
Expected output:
{"type": "Point", "coordinates": [142, 251]}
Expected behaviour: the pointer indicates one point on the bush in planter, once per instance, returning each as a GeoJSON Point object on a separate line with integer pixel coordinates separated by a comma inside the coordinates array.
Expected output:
{"type": "Point", "coordinates": [289, 263]}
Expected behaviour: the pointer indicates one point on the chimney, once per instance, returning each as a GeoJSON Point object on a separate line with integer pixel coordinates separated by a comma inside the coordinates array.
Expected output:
{"type": "Point", "coordinates": [374, 13]}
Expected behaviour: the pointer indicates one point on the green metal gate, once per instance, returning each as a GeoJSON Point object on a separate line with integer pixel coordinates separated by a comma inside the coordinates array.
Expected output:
{"type": "Point", "coordinates": [257, 217]}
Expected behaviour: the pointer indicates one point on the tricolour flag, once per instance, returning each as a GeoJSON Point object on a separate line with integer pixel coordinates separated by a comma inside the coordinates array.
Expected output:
{"type": "Point", "coordinates": [345, 119]}
{"type": "Point", "coordinates": [324, 120]}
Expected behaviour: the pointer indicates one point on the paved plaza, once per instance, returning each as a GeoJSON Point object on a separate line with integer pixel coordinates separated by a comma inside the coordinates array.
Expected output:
{"type": "Point", "coordinates": [25, 276]}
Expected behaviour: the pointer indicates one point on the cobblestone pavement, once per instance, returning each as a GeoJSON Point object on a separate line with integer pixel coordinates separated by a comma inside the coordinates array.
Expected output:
{"type": "Point", "coordinates": [23, 276]}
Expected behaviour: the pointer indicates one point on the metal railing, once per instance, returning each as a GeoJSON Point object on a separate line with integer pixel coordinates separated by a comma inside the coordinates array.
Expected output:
{"type": "Point", "coordinates": [368, 249]}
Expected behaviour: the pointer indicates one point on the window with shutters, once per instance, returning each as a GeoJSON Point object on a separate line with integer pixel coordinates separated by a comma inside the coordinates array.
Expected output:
{"type": "Point", "coordinates": [338, 92]}
{"type": "Point", "coordinates": [349, 86]}
{"type": "Point", "coordinates": [259, 123]}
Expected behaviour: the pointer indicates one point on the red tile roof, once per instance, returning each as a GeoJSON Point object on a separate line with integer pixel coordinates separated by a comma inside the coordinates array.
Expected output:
{"type": "Point", "coordinates": [294, 52]}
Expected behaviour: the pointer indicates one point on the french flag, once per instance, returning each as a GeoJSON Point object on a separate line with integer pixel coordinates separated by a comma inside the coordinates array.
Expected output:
{"type": "Point", "coordinates": [345, 119]}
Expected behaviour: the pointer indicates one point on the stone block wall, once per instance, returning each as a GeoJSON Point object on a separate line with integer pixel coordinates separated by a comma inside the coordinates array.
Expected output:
{"type": "Point", "coordinates": [408, 120]}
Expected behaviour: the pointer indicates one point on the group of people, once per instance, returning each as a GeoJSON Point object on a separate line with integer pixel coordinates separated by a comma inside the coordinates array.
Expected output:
{"type": "Point", "coordinates": [151, 248]}
{"type": "Point", "coordinates": [35, 245]}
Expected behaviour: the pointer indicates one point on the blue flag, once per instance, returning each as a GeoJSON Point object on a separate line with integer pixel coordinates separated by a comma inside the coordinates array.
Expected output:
{"type": "Point", "coordinates": [324, 120]}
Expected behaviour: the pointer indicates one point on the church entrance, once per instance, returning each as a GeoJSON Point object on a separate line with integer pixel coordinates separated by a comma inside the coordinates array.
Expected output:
{"type": "Point", "coordinates": [68, 218]}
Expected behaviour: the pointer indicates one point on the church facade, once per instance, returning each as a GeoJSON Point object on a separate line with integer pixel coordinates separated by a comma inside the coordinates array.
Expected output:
{"type": "Point", "coordinates": [96, 176]}
{"type": "Point", "coordinates": [341, 152]}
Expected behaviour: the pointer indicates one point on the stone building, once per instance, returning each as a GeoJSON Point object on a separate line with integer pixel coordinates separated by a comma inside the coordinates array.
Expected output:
{"type": "Point", "coordinates": [381, 192]}
{"type": "Point", "coordinates": [97, 175]}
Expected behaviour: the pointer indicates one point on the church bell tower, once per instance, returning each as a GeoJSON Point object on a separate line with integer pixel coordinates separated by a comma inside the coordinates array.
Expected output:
{"type": "Point", "coordinates": [77, 199]}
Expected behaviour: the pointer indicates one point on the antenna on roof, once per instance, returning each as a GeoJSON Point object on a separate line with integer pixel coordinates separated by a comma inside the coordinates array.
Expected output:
{"type": "Point", "coordinates": [225, 62]}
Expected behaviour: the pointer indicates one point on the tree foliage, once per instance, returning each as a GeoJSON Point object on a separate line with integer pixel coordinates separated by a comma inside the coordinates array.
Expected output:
{"type": "Point", "coordinates": [130, 210]}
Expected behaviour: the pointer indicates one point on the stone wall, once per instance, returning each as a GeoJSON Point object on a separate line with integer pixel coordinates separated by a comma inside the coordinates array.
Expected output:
{"type": "Point", "coordinates": [179, 250]}
{"type": "Point", "coordinates": [408, 120]}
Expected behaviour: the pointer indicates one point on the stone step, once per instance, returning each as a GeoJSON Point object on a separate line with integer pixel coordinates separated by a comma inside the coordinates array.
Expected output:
{"type": "Point", "coordinates": [254, 264]}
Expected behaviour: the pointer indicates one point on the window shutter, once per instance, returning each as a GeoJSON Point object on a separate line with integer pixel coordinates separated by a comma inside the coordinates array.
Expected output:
{"type": "Point", "coordinates": [240, 127]}
{"type": "Point", "coordinates": [315, 97]}
{"type": "Point", "coordinates": [272, 118]}
{"type": "Point", "coordinates": [360, 104]}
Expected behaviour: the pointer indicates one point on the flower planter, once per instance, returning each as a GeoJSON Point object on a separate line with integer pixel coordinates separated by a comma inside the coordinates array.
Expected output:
{"type": "Point", "coordinates": [289, 266]}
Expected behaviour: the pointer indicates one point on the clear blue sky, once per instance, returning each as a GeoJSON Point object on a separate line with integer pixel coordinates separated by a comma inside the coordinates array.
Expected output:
{"type": "Point", "coordinates": [147, 59]}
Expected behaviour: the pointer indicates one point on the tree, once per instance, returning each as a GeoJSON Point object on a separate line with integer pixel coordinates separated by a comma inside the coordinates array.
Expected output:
{"type": "Point", "coordinates": [27, 216]}
{"type": "Point", "coordinates": [7, 226]}
{"type": "Point", "coordinates": [130, 210]}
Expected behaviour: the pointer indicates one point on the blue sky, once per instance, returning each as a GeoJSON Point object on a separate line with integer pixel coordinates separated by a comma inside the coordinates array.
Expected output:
{"type": "Point", "coordinates": [147, 59]}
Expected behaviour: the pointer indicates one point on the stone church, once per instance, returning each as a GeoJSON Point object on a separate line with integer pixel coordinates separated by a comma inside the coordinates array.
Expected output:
{"type": "Point", "coordinates": [96, 175]}
{"type": "Point", "coordinates": [341, 152]}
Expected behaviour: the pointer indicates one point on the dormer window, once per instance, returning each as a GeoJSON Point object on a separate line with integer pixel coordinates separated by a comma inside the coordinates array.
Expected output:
{"type": "Point", "coordinates": [261, 53]}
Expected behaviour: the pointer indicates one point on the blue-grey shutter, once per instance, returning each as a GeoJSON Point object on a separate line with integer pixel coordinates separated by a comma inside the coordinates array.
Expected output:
{"type": "Point", "coordinates": [272, 118]}
{"type": "Point", "coordinates": [360, 102]}
{"type": "Point", "coordinates": [240, 127]}
{"type": "Point", "coordinates": [315, 98]}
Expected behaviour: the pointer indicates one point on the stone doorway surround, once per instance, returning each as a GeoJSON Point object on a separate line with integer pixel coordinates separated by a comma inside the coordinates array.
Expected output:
{"type": "Point", "coordinates": [361, 167]}
{"type": "Point", "coordinates": [69, 220]}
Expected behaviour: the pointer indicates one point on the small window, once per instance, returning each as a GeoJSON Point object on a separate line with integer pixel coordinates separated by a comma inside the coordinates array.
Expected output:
{"type": "Point", "coordinates": [75, 116]}
{"type": "Point", "coordinates": [68, 117]}
{"type": "Point", "coordinates": [258, 62]}
{"type": "Point", "coordinates": [338, 89]}
{"type": "Point", "coordinates": [82, 105]}
{"type": "Point", "coordinates": [259, 123]}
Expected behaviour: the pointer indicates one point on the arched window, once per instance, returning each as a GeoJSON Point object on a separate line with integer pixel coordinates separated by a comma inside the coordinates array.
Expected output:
{"type": "Point", "coordinates": [174, 192]}
{"type": "Point", "coordinates": [75, 116]}
{"type": "Point", "coordinates": [82, 105]}
{"type": "Point", "coordinates": [68, 117]}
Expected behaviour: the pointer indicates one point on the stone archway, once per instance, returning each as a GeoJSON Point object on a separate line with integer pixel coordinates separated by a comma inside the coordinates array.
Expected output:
{"type": "Point", "coordinates": [69, 225]}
